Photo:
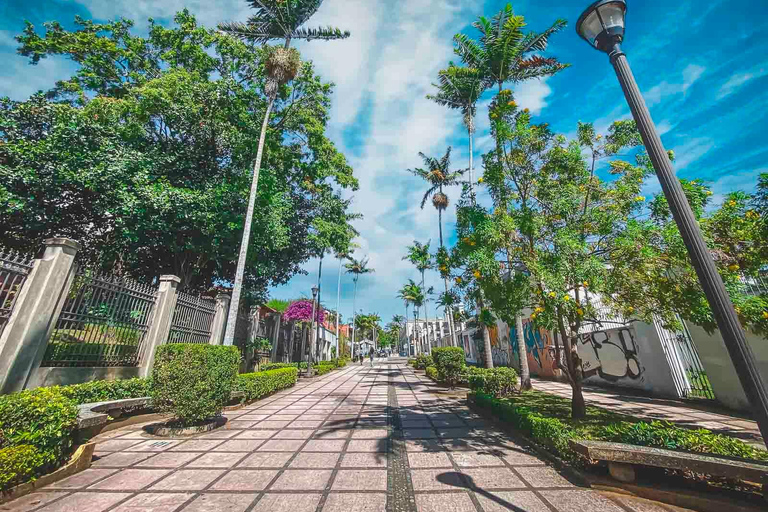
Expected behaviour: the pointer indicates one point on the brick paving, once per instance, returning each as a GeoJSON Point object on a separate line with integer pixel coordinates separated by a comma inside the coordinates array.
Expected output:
{"type": "Point", "coordinates": [359, 439]}
{"type": "Point", "coordinates": [675, 411]}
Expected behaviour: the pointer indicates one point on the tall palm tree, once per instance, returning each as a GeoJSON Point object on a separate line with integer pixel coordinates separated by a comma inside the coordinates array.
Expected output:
{"type": "Point", "coordinates": [419, 256]}
{"type": "Point", "coordinates": [395, 325]}
{"type": "Point", "coordinates": [437, 175]}
{"type": "Point", "coordinates": [459, 88]}
{"type": "Point", "coordinates": [273, 19]}
{"type": "Point", "coordinates": [358, 268]}
{"type": "Point", "coordinates": [341, 256]}
{"type": "Point", "coordinates": [412, 293]}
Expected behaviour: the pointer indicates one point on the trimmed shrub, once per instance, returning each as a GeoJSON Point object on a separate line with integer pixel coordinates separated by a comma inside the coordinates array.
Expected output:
{"type": "Point", "coordinates": [322, 369]}
{"type": "Point", "coordinates": [260, 384]}
{"type": "Point", "coordinates": [104, 390]}
{"type": "Point", "coordinates": [449, 362]}
{"type": "Point", "coordinates": [422, 361]}
{"type": "Point", "coordinates": [411, 362]}
{"type": "Point", "coordinates": [193, 381]}
{"type": "Point", "coordinates": [275, 366]}
{"type": "Point", "coordinates": [498, 382]}
{"type": "Point", "coordinates": [36, 433]}
{"type": "Point", "coordinates": [431, 372]}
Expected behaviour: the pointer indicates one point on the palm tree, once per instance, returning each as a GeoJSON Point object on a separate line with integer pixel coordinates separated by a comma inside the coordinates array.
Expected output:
{"type": "Point", "coordinates": [358, 268]}
{"type": "Point", "coordinates": [419, 255]}
{"type": "Point", "coordinates": [460, 88]}
{"type": "Point", "coordinates": [395, 325]}
{"type": "Point", "coordinates": [437, 175]}
{"type": "Point", "coordinates": [341, 256]}
{"type": "Point", "coordinates": [414, 294]}
{"type": "Point", "coordinates": [273, 19]}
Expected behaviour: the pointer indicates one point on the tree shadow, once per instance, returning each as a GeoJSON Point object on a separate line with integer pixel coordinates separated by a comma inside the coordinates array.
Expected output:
{"type": "Point", "coordinates": [463, 481]}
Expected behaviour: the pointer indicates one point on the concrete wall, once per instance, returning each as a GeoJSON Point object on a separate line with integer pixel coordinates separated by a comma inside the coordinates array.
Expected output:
{"type": "Point", "coordinates": [720, 371]}
{"type": "Point", "coordinates": [53, 376]}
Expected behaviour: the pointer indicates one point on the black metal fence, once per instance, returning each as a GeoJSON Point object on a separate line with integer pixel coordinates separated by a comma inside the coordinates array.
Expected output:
{"type": "Point", "coordinates": [243, 326]}
{"type": "Point", "coordinates": [103, 322]}
{"type": "Point", "coordinates": [14, 268]}
{"type": "Point", "coordinates": [685, 364]}
{"type": "Point", "coordinates": [192, 319]}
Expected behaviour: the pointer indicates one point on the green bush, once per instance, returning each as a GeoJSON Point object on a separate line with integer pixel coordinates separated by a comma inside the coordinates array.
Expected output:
{"type": "Point", "coordinates": [260, 384]}
{"type": "Point", "coordinates": [498, 382]}
{"type": "Point", "coordinates": [450, 363]}
{"type": "Point", "coordinates": [41, 418]}
{"type": "Point", "coordinates": [275, 366]}
{"type": "Point", "coordinates": [322, 369]}
{"type": "Point", "coordinates": [105, 390]}
{"type": "Point", "coordinates": [432, 373]}
{"type": "Point", "coordinates": [467, 372]}
{"type": "Point", "coordinates": [422, 361]}
{"type": "Point", "coordinates": [411, 362]}
{"type": "Point", "coordinates": [193, 381]}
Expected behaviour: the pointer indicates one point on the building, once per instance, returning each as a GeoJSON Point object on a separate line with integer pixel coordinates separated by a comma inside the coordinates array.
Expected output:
{"type": "Point", "coordinates": [434, 332]}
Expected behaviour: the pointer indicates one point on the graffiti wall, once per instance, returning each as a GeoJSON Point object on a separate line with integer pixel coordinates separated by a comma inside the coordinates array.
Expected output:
{"type": "Point", "coordinates": [540, 348]}
{"type": "Point", "coordinates": [613, 357]}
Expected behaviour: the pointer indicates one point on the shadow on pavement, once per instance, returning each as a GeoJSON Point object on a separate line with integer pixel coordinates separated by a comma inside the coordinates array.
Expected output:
{"type": "Point", "coordinates": [463, 481]}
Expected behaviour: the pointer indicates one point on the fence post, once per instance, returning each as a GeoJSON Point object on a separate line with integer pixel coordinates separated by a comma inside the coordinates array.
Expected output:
{"type": "Point", "coordinates": [219, 324]}
{"type": "Point", "coordinates": [26, 333]}
{"type": "Point", "coordinates": [165, 303]}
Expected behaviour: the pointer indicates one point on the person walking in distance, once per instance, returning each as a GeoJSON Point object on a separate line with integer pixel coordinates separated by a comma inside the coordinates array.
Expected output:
{"type": "Point", "coordinates": [371, 353]}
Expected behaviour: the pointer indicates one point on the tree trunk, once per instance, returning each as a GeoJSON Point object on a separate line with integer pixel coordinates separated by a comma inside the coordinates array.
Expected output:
{"type": "Point", "coordinates": [522, 354]}
{"type": "Point", "coordinates": [471, 174]}
{"type": "Point", "coordinates": [578, 406]}
{"type": "Point", "coordinates": [354, 315]}
{"type": "Point", "coordinates": [338, 314]}
{"type": "Point", "coordinates": [229, 336]}
{"type": "Point", "coordinates": [486, 340]}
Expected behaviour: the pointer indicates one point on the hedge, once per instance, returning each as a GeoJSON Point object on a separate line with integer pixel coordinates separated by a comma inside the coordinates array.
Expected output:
{"type": "Point", "coordinates": [422, 361]}
{"type": "Point", "coordinates": [498, 382]}
{"type": "Point", "coordinates": [193, 381]}
{"type": "Point", "coordinates": [449, 362]}
{"type": "Point", "coordinates": [260, 384]}
{"type": "Point", "coordinates": [432, 373]}
{"type": "Point", "coordinates": [36, 433]}
{"type": "Point", "coordinates": [105, 390]}
{"type": "Point", "coordinates": [553, 434]}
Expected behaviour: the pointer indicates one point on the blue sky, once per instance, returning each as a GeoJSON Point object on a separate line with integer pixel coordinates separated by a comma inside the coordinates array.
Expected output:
{"type": "Point", "coordinates": [702, 67]}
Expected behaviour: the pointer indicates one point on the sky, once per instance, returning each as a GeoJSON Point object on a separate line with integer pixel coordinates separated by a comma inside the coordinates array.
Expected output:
{"type": "Point", "coordinates": [701, 66]}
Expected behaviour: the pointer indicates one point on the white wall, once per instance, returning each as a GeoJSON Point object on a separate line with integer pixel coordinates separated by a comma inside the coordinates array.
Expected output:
{"type": "Point", "coordinates": [717, 363]}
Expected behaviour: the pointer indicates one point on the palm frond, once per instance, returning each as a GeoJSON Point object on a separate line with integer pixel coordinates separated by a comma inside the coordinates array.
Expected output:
{"type": "Point", "coordinates": [321, 33]}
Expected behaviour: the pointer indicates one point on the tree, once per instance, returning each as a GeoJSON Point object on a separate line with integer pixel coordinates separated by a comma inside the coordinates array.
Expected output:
{"type": "Point", "coordinates": [412, 293]}
{"type": "Point", "coordinates": [396, 325]}
{"type": "Point", "coordinates": [140, 156]}
{"type": "Point", "coordinates": [358, 268]}
{"type": "Point", "coordinates": [273, 19]}
{"type": "Point", "coordinates": [420, 257]}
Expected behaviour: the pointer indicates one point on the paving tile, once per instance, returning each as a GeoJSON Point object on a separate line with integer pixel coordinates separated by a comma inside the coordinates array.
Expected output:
{"type": "Point", "coordinates": [306, 424]}
{"type": "Point", "coordinates": [368, 445]}
{"type": "Point", "coordinates": [288, 503]}
{"type": "Point", "coordinates": [424, 445]}
{"type": "Point", "coordinates": [640, 505]}
{"type": "Point", "coordinates": [322, 445]}
{"type": "Point", "coordinates": [543, 477]}
{"type": "Point", "coordinates": [221, 502]}
{"type": "Point", "coordinates": [429, 460]}
{"type": "Point", "coordinates": [315, 460]}
{"type": "Point", "coordinates": [239, 445]}
{"type": "Point", "coordinates": [272, 424]}
{"type": "Point", "coordinates": [220, 433]}
{"type": "Point", "coordinates": [153, 445]}
{"type": "Point", "coordinates": [359, 502]}
{"type": "Point", "coordinates": [257, 417]}
{"type": "Point", "coordinates": [436, 479]}
{"type": "Point", "coordinates": [579, 501]}
{"type": "Point", "coordinates": [154, 502]}
{"type": "Point", "coordinates": [85, 502]}
{"type": "Point", "coordinates": [256, 434]}
{"type": "Point", "coordinates": [188, 480]}
{"type": "Point", "coordinates": [520, 458]}
{"type": "Point", "coordinates": [217, 460]}
{"type": "Point", "coordinates": [281, 445]}
{"type": "Point", "coordinates": [82, 479]}
{"type": "Point", "coordinates": [31, 501]}
{"type": "Point", "coordinates": [419, 433]}
{"type": "Point", "coordinates": [238, 424]}
{"type": "Point", "coordinates": [492, 478]}
{"type": "Point", "coordinates": [445, 502]}
{"type": "Point", "coordinates": [503, 501]}
{"type": "Point", "coordinates": [117, 459]}
{"type": "Point", "coordinates": [376, 433]}
{"type": "Point", "coordinates": [245, 480]}
{"type": "Point", "coordinates": [168, 460]}
{"type": "Point", "coordinates": [201, 445]}
{"type": "Point", "coordinates": [364, 460]}
{"type": "Point", "coordinates": [474, 459]}
{"type": "Point", "coordinates": [116, 445]}
{"type": "Point", "coordinates": [294, 434]}
{"type": "Point", "coordinates": [131, 479]}
{"type": "Point", "coordinates": [282, 416]}
{"type": "Point", "coordinates": [302, 480]}
{"type": "Point", "coordinates": [360, 480]}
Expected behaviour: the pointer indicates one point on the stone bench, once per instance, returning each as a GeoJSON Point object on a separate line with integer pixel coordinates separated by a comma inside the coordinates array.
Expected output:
{"type": "Point", "coordinates": [622, 459]}
{"type": "Point", "coordinates": [98, 413]}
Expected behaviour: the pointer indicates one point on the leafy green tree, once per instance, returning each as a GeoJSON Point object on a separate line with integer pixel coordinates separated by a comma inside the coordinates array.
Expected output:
{"type": "Point", "coordinates": [273, 19]}
{"type": "Point", "coordinates": [419, 256]}
{"type": "Point", "coordinates": [140, 155]}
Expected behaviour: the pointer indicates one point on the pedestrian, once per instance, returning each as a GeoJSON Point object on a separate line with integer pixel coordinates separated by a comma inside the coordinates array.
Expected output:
{"type": "Point", "coordinates": [371, 353]}
{"type": "Point", "coordinates": [360, 355]}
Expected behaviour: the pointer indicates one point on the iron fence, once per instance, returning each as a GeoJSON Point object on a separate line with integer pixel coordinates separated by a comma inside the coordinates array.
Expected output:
{"type": "Point", "coordinates": [685, 364]}
{"type": "Point", "coordinates": [755, 285]}
{"type": "Point", "coordinates": [103, 322]}
{"type": "Point", "coordinates": [14, 268]}
{"type": "Point", "coordinates": [192, 319]}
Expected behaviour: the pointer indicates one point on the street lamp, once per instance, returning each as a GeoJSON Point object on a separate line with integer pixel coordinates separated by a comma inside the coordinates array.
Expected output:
{"type": "Point", "coordinates": [602, 26]}
{"type": "Point", "coordinates": [312, 335]}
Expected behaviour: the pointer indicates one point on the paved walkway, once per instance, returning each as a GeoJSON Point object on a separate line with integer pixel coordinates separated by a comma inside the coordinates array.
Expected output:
{"type": "Point", "coordinates": [660, 409]}
{"type": "Point", "coordinates": [360, 439]}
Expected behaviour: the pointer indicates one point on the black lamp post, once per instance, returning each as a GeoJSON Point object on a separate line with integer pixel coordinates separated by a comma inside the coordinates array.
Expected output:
{"type": "Point", "coordinates": [312, 332]}
{"type": "Point", "coordinates": [602, 26]}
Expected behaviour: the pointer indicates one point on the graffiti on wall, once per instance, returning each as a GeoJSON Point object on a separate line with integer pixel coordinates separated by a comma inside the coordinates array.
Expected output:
{"type": "Point", "coordinates": [500, 347]}
{"type": "Point", "coordinates": [541, 350]}
{"type": "Point", "coordinates": [613, 354]}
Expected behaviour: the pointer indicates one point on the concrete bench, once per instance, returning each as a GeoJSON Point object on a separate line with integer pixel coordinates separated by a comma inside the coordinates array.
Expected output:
{"type": "Point", "coordinates": [622, 459]}
{"type": "Point", "coordinates": [98, 413]}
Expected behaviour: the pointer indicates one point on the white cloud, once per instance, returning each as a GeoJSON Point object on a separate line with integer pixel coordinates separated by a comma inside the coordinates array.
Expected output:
{"type": "Point", "coordinates": [533, 95]}
{"type": "Point", "coordinates": [659, 92]}
{"type": "Point", "coordinates": [737, 80]}
{"type": "Point", "coordinates": [693, 149]}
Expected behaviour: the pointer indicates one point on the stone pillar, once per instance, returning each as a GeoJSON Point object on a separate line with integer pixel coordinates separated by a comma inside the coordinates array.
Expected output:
{"type": "Point", "coordinates": [161, 320]}
{"type": "Point", "coordinates": [34, 315]}
{"type": "Point", "coordinates": [219, 324]}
